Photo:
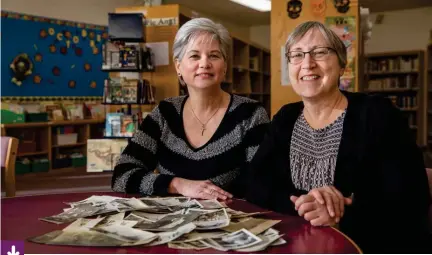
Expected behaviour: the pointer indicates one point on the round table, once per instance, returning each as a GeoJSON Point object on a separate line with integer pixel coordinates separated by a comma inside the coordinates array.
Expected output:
{"type": "Point", "coordinates": [20, 216]}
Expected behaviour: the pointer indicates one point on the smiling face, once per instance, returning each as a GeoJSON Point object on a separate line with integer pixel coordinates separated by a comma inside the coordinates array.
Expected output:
{"type": "Point", "coordinates": [314, 78]}
{"type": "Point", "coordinates": [202, 65]}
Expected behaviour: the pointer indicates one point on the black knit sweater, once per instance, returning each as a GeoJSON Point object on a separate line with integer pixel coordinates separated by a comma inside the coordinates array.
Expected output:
{"type": "Point", "coordinates": [160, 151]}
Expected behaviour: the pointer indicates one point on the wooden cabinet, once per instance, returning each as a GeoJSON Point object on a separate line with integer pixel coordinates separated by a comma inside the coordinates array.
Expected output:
{"type": "Point", "coordinates": [41, 140]}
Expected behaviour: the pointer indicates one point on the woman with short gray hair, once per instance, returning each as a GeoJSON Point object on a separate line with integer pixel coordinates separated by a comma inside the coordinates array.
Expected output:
{"type": "Point", "coordinates": [194, 145]}
{"type": "Point", "coordinates": [341, 157]}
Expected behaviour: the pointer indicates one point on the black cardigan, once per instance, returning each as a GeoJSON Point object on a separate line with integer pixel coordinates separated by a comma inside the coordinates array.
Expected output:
{"type": "Point", "coordinates": [378, 162]}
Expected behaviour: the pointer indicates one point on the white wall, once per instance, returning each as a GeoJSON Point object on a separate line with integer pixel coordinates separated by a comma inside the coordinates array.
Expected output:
{"type": "Point", "coordinates": [260, 35]}
{"type": "Point", "coordinates": [401, 30]}
{"type": "Point", "coordinates": [86, 11]}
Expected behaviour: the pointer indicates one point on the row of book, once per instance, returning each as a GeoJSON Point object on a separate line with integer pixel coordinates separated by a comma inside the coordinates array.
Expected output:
{"type": "Point", "coordinates": [119, 124]}
{"type": "Point", "coordinates": [404, 102]}
{"type": "Point", "coordinates": [121, 55]}
{"type": "Point", "coordinates": [128, 91]}
{"type": "Point", "coordinates": [405, 81]}
{"type": "Point", "coordinates": [398, 64]}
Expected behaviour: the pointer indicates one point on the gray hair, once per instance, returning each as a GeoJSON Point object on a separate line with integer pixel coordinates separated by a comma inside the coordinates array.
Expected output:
{"type": "Point", "coordinates": [331, 37]}
{"type": "Point", "coordinates": [194, 27]}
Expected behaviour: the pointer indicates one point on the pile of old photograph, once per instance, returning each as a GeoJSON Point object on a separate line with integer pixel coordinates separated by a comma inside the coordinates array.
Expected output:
{"type": "Point", "coordinates": [179, 222]}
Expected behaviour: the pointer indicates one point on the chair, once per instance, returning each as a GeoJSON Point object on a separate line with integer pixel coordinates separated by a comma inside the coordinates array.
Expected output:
{"type": "Point", "coordinates": [9, 147]}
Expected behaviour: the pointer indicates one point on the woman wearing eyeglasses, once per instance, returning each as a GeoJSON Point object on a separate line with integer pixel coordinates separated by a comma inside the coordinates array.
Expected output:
{"type": "Point", "coordinates": [341, 158]}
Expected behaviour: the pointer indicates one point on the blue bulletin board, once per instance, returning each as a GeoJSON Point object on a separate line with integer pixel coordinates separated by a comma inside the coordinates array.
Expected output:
{"type": "Point", "coordinates": [66, 56]}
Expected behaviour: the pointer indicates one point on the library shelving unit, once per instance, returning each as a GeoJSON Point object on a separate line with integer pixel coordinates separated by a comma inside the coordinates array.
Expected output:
{"type": "Point", "coordinates": [429, 95]}
{"type": "Point", "coordinates": [400, 77]}
{"type": "Point", "coordinates": [125, 96]}
{"type": "Point", "coordinates": [248, 72]}
{"type": "Point", "coordinates": [40, 139]}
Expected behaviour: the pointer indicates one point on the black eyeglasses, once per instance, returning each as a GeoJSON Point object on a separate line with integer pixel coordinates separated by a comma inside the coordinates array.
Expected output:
{"type": "Point", "coordinates": [320, 53]}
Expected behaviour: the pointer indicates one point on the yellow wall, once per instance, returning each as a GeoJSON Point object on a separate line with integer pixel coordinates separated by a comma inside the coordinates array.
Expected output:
{"type": "Point", "coordinates": [281, 26]}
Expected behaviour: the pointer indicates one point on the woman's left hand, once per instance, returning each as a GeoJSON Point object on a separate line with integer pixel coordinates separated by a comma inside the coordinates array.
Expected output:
{"type": "Point", "coordinates": [313, 211]}
{"type": "Point", "coordinates": [332, 198]}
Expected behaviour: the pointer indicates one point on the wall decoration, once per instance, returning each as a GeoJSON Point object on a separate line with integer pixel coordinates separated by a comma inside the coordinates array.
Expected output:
{"type": "Point", "coordinates": [93, 84]}
{"type": "Point", "coordinates": [43, 33]}
{"type": "Point", "coordinates": [21, 67]}
{"type": "Point", "coordinates": [87, 67]}
{"type": "Point", "coordinates": [294, 8]}
{"type": "Point", "coordinates": [38, 57]}
{"type": "Point", "coordinates": [72, 84]}
{"type": "Point", "coordinates": [345, 28]}
{"type": "Point", "coordinates": [53, 46]}
{"type": "Point", "coordinates": [37, 79]}
{"type": "Point", "coordinates": [63, 50]}
{"type": "Point", "coordinates": [78, 51]}
{"type": "Point", "coordinates": [342, 6]}
{"type": "Point", "coordinates": [318, 7]}
{"type": "Point", "coordinates": [56, 71]}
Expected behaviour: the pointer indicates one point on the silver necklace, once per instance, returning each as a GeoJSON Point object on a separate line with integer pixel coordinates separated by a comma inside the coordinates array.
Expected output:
{"type": "Point", "coordinates": [203, 125]}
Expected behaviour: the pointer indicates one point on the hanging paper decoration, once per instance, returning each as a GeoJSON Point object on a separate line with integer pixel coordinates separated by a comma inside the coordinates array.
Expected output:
{"type": "Point", "coordinates": [342, 6]}
{"type": "Point", "coordinates": [21, 67]}
{"type": "Point", "coordinates": [318, 7]}
{"type": "Point", "coordinates": [294, 8]}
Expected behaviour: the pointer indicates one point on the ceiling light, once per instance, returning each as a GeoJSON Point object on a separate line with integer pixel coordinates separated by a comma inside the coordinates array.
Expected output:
{"type": "Point", "coordinates": [259, 5]}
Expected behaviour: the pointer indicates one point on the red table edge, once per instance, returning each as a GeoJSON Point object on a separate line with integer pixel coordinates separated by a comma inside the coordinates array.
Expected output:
{"type": "Point", "coordinates": [337, 230]}
{"type": "Point", "coordinates": [349, 239]}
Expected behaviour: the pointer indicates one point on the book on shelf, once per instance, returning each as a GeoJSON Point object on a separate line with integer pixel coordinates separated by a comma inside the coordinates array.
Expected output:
{"type": "Point", "coordinates": [118, 55]}
{"type": "Point", "coordinates": [127, 56]}
{"type": "Point", "coordinates": [393, 64]}
{"type": "Point", "coordinates": [406, 81]}
{"type": "Point", "coordinates": [404, 102]}
{"type": "Point", "coordinates": [119, 124]}
{"type": "Point", "coordinates": [128, 91]}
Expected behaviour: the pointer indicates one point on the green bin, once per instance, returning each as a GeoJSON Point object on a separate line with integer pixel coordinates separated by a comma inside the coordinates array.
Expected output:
{"type": "Point", "coordinates": [40, 167]}
{"type": "Point", "coordinates": [77, 162]}
{"type": "Point", "coordinates": [21, 168]}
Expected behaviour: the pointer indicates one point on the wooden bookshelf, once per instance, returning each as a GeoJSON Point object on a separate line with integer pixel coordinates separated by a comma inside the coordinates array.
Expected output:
{"type": "Point", "coordinates": [428, 95]}
{"type": "Point", "coordinates": [43, 143]}
{"type": "Point", "coordinates": [248, 72]}
{"type": "Point", "coordinates": [400, 77]}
